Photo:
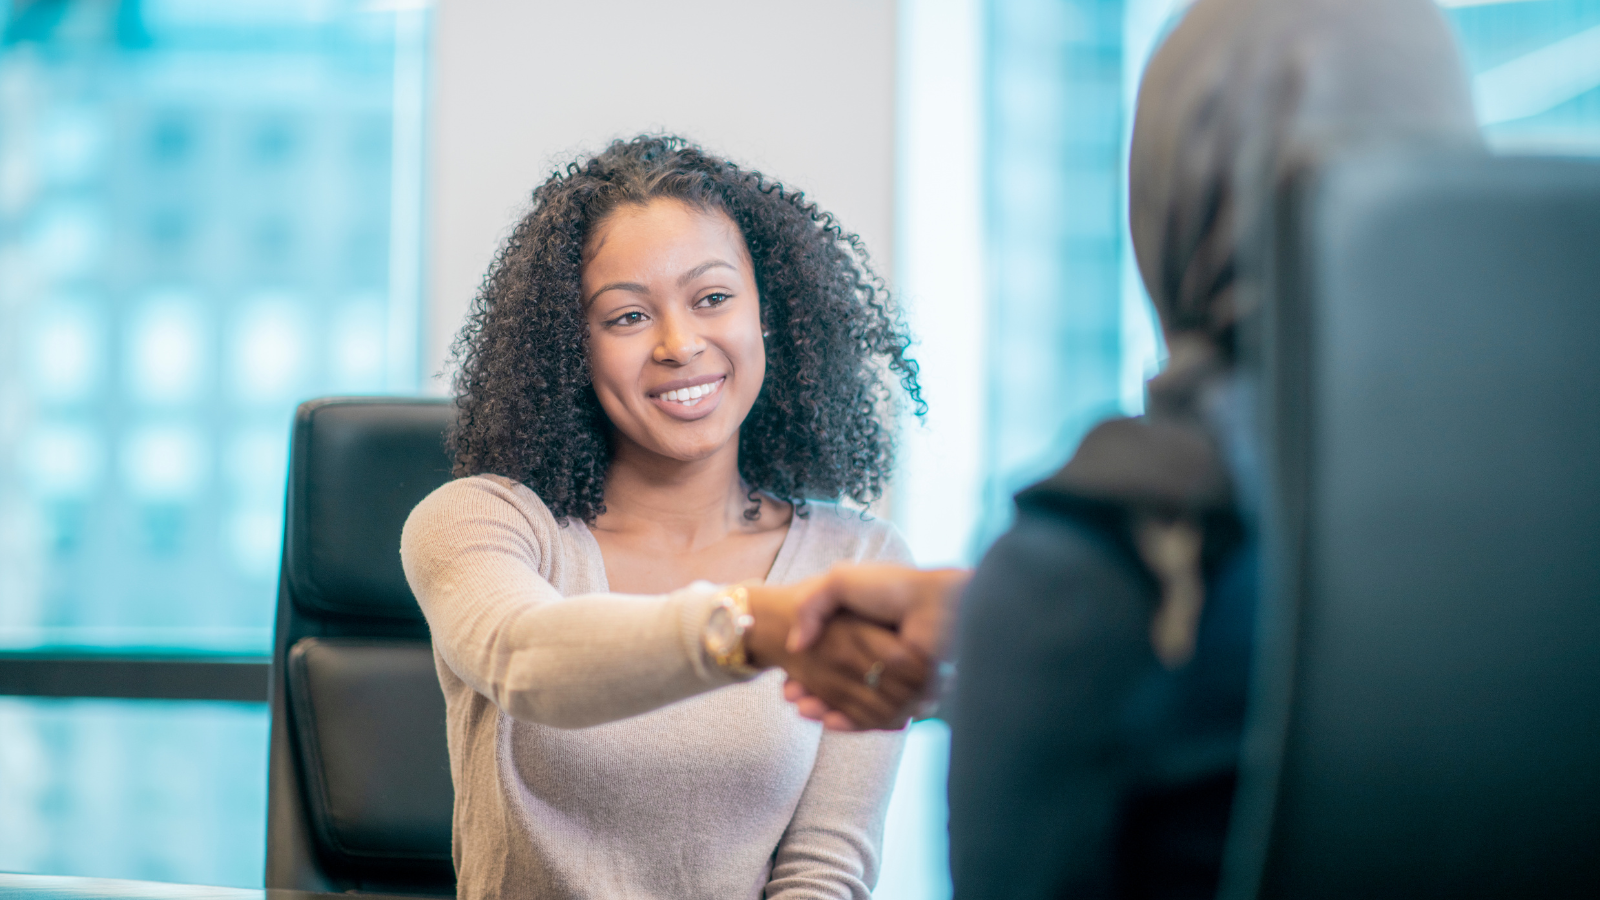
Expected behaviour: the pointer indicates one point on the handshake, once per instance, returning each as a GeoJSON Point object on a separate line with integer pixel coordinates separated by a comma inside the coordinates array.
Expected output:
{"type": "Point", "coordinates": [862, 644]}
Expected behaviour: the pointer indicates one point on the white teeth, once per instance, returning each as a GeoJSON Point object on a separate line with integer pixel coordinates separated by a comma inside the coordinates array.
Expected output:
{"type": "Point", "coordinates": [690, 396]}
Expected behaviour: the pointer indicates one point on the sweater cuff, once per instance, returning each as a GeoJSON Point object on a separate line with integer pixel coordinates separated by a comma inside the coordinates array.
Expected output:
{"type": "Point", "coordinates": [696, 603]}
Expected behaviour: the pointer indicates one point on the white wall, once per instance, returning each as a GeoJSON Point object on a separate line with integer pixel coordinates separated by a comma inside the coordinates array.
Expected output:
{"type": "Point", "coordinates": [938, 490]}
{"type": "Point", "coordinates": [800, 89]}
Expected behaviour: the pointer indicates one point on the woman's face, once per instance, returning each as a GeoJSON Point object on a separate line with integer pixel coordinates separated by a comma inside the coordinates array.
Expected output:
{"type": "Point", "coordinates": [675, 342]}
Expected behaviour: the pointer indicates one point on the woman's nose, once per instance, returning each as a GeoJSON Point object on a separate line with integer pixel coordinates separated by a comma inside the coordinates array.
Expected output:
{"type": "Point", "coordinates": [680, 341]}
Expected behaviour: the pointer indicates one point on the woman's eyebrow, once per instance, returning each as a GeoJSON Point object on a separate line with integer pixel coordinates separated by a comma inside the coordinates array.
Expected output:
{"type": "Point", "coordinates": [633, 287]}
{"type": "Point", "coordinates": [703, 268]}
{"type": "Point", "coordinates": [637, 288]}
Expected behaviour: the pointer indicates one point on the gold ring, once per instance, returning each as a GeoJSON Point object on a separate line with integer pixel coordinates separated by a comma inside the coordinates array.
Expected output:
{"type": "Point", "coordinates": [874, 672]}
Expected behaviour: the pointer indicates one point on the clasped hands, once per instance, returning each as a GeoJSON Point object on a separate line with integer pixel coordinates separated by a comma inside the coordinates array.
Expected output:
{"type": "Point", "coordinates": [861, 643]}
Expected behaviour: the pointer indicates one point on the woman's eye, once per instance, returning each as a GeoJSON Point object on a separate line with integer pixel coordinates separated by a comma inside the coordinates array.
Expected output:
{"type": "Point", "coordinates": [627, 318]}
{"type": "Point", "coordinates": [711, 300]}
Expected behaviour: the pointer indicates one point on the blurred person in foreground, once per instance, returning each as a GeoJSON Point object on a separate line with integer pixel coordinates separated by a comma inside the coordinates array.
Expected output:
{"type": "Point", "coordinates": [1105, 641]}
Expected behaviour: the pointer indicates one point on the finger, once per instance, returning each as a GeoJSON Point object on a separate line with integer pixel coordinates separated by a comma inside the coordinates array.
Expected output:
{"type": "Point", "coordinates": [813, 709]}
{"type": "Point", "coordinates": [852, 647]}
{"type": "Point", "coordinates": [902, 674]}
{"type": "Point", "coordinates": [838, 721]}
{"type": "Point", "coordinates": [812, 613]}
{"type": "Point", "coordinates": [846, 693]}
{"type": "Point", "coordinates": [880, 592]}
{"type": "Point", "coordinates": [807, 704]}
{"type": "Point", "coordinates": [869, 707]}
{"type": "Point", "coordinates": [905, 673]}
{"type": "Point", "coordinates": [834, 671]}
{"type": "Point", "coordinates": [794, 691]}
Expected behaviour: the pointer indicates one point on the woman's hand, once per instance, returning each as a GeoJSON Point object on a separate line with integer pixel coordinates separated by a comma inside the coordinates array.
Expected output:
{"type": "Point", "coordinates": [915, 605]}
{"type": "Point", "coordinates": [856, 674]}
{"type": "Point", "coordinates": [918, 604]}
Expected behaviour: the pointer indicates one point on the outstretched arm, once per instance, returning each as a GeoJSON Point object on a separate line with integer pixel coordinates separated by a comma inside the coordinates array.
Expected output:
{"type": "Point", "coordinates": [476, 553]}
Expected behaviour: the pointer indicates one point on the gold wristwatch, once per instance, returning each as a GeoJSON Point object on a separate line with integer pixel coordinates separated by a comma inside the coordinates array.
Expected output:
{"type": "Point", "coordinates": [725, 630]}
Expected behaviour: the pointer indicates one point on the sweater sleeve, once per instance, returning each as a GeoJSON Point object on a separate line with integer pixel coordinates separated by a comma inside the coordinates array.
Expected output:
{"type": "Point", "coordinates": [834, 844]}
{"type": "Point", "coordinates": [473, 555]}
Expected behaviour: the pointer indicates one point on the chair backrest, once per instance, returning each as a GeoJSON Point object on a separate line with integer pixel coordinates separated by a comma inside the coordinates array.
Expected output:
{"type": "Point", "coordinates": [360, 794]}
{"type": "Point", "coordinates": [1427, 713]}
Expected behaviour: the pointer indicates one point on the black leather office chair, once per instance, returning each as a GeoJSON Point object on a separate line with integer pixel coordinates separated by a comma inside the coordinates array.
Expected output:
{"type": "Point", "coordinates": [359, 794]}
{"type": "Point", "coordinates": [1427, 720]}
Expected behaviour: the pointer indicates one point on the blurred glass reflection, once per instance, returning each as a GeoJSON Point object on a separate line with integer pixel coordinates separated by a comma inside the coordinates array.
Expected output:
{"type": "Point", "coordinates": [1070, 334]}
{"type": "Point", "coordinates": [1536, 67]}
{"type": "Point", "coordinates": [197, 231]}
{"type": "Point", "coordinates": [163, 791]}
{"type": "Point", "coordinates": [916, 837]}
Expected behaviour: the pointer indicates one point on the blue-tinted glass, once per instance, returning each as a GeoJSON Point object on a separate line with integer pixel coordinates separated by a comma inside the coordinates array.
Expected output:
{"type": "Point", "coordinates": [916, 836]}
{"type": "Point", "coordinates": [142, 789]}
{"type": "Point", "coordinates": [1056, 121]}
{"type": "Point", "coordinates": [1536, 68]}
{"type": "Point", "coordinates": [195, 235]}
{"type": "Point", "coordinates": [1070, 337]}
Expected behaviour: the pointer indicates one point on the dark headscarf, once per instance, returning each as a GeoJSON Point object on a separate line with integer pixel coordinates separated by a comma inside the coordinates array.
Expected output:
{"type": "Point", "coordinates": [1246, 92]}
{"type": "Point", "coordinates": [1241, 96]}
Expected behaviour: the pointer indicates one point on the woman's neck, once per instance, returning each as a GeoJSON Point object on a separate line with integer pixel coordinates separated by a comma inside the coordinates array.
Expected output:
{"type": "Point", "coordinates": [690, 504]}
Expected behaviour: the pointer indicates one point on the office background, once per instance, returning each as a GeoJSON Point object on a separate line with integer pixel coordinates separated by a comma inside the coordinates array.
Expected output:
{"type": "Point", "coordinates": [210, 211]}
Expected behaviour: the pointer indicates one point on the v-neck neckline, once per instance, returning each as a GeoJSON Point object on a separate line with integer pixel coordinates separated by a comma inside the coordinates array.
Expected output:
{"type": "Point", "coordinates": [781, 563]}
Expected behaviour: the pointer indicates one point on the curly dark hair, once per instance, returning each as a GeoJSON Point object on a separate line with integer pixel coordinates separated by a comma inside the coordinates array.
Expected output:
{"type": "Point", "coordinates": [527, 411]}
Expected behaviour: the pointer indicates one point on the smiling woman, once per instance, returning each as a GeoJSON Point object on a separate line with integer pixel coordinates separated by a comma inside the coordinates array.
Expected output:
{"type": "Point", "coordinates": [816, 429]}
{"type": "Point", "coordinates": [674, 369]}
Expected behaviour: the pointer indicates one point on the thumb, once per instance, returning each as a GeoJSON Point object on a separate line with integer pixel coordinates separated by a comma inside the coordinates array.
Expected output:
{"type": "Point", "coordinates": [811, 615]}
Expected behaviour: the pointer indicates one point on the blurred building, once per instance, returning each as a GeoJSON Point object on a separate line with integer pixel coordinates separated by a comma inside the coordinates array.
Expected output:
{"type": "Point", "coordinates": [200, 225]}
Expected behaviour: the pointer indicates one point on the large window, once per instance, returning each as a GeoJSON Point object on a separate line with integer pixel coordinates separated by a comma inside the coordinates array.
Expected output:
{"type": "Point", "coordinates": [1013, 250]}
{"type": "Point", "coordinates": [208, 212]}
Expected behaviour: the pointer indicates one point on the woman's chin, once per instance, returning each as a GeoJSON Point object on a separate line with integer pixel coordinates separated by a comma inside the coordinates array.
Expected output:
{"type": "Point", "coordinates": [693, 452]}
{"type": "Point", "coordinates": [689, 444]}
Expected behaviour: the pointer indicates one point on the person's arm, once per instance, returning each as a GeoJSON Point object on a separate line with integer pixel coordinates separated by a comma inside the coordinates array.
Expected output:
{"type": "Point", "coordinates": [834, 842]}
{"type": "Point", "coordinates": [472, 553]}
{"type": "Point", "coordinates": [1054, 638]}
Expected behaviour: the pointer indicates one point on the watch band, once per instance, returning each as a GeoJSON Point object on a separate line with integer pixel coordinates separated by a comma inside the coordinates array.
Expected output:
{"type": "Point", "coordinates": [725, 645]}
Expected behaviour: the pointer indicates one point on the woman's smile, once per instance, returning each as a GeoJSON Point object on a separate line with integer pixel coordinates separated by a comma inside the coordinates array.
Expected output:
{"type": "Point", "coordinates": [689, 398]}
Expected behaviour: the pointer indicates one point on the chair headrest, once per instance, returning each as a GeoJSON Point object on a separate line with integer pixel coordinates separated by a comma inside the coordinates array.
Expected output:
{"type": "Point", "coordinates": [357, 468]}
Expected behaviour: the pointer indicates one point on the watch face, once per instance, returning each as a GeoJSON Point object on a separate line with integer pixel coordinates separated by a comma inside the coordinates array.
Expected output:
{"type": "Point", "coordinates": [720, 631]}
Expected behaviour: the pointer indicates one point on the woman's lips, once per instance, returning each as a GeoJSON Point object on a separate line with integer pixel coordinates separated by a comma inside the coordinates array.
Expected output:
{"type": "Point", "coordinates": [691, 402]}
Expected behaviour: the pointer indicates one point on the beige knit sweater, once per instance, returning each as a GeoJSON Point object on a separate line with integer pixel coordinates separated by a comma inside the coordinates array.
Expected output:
{"type": "Point", "coordinates": [596, 751]}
